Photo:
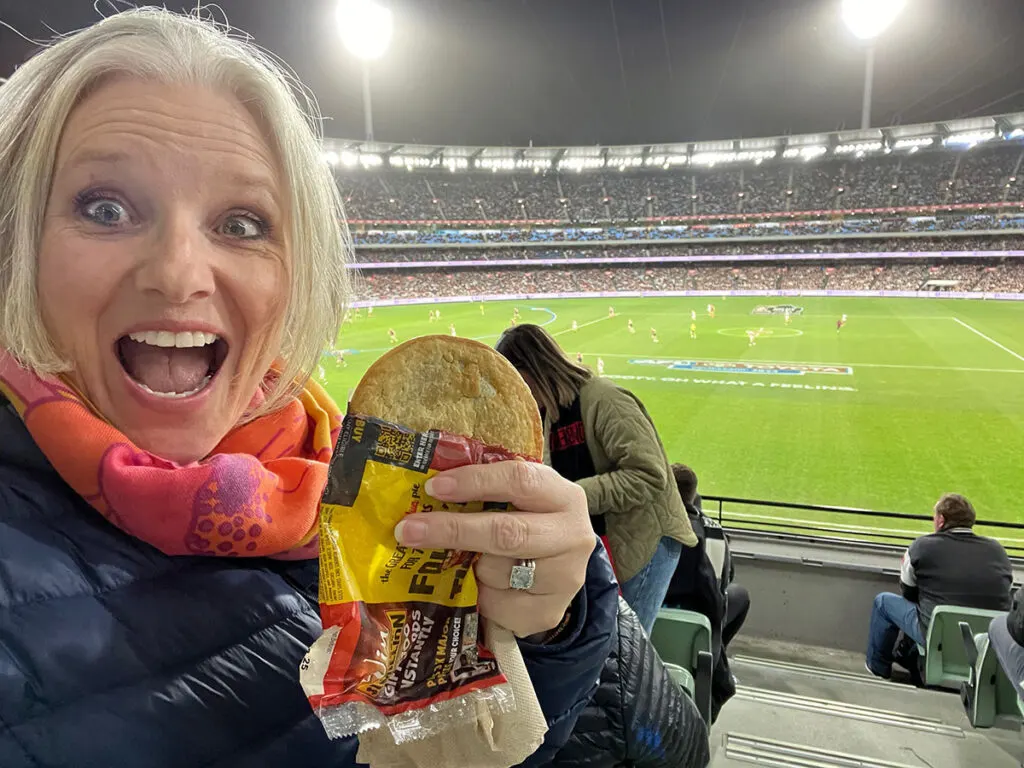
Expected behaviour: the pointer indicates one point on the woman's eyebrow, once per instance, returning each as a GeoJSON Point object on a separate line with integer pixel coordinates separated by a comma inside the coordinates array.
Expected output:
{"type": "Point", "coordinates": [250, 182]}
{"type": "Point", "coordinates": [257, 183]}
{"type": "Point", "coordinates": [98, 157]}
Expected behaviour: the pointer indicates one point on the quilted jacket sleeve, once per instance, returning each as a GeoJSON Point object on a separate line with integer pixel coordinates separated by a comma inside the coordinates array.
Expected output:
{"type": "Point", "coordinates": [637, 471]}
{"type": "Point", "coordinates": [639, 716]}
{"type": "Point", "coordinates": [1015, 618]}
{"type": "Point", "coordinates": [565, 674]}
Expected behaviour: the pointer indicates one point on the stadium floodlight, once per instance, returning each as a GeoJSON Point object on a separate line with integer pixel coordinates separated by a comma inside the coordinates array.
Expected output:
{"type": "Point", "coordinates": [914, 144]}
{"type": "Point", "coordinates": [859, 148]}
{"type": "Point", "coordinates": [867, 19]}
{"type": "Point", "coordinates": [969, 139]}
{"type": "Point", "coordinates": [806, 154]}
{"type": "Point", "coordinates": [365, 28]}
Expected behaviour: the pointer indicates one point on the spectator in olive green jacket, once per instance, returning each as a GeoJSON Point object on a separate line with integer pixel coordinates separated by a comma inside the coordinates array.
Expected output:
{"type": "Point", "coordinates": [601, 436]}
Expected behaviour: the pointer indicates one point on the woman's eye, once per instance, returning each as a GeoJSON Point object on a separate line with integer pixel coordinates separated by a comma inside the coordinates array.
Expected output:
{"type": "Point", "coordinates": [242, 227]}
{"type": "Point", "coordinates": [104, 211]}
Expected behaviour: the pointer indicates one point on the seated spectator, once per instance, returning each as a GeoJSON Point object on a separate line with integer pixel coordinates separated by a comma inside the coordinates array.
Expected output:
{"type": "Point", "coordinates": [1006, 636]}
{"type": "Point", "coordinates": [953, 566]}
{"type": "Point", "coordinates": [702, 582]}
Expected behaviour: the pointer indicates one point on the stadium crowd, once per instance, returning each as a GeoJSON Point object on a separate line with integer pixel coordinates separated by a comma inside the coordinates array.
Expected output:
{"type": "Point", "coordinates": [984, 175]}
{"type": "Point", "coordinates": [783, 246]}
{"type": "Point", "coordinates": [837, 227]}
{"type": "Point", "coordinates": [482, 281]}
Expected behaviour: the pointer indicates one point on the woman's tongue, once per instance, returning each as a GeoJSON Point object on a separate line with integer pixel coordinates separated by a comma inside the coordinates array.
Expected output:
{"type": "Point", "coordinates": [167, 369]}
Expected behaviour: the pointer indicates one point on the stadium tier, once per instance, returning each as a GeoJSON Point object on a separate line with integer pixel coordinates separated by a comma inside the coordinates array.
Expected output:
{"type": "Point", "coordinates": [417, 282]}
{"type": "Point", "coordinates": [913, 209]}
{"type": "Point", "coordinates": [953, 229]}
{"type": "Point", "coordinates": [930, 167]}
{"type": "Point", "coordinates": [738, 249]}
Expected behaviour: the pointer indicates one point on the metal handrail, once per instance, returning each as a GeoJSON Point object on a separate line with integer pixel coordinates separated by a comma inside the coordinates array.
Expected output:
{"type": "Point", "coordinates": [852, 511]}
{"type": "Point", "coordinates": [829, 530]}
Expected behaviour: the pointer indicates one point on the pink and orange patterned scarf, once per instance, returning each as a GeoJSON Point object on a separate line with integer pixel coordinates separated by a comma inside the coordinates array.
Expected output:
{"type": "Point", "coordinates": [256, 495]}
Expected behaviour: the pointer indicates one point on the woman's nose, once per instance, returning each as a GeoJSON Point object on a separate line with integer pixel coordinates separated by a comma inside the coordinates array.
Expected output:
{"type": "Point", "coordinates": [178, 261]}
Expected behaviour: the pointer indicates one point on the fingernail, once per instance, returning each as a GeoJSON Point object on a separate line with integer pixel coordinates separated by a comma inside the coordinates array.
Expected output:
{"type": "Point", "coordinates": [439, 485]}
{"type": "Point", "coordinates": [411, 532]}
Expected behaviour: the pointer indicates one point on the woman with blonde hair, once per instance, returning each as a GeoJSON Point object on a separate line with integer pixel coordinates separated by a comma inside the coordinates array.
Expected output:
{"type": "Point", "coordinates": [600, 436]}
{"type": "Point", "coordinates": [172, 263]}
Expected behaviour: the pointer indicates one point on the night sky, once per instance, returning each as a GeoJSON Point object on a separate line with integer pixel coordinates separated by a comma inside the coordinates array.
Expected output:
{"type": "Point", "coordinates": [550, 71]}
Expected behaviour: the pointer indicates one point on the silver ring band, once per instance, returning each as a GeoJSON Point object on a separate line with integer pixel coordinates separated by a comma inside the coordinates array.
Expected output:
{"type": "Point", "coordinates": [524, 572]}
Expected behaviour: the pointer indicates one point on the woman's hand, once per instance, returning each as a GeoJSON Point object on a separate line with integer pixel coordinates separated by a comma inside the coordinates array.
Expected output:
{"type": "Point", "coordinates": [550, 525]}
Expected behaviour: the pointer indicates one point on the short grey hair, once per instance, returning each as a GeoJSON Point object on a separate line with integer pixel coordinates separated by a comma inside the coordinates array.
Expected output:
{"type": "Point", "coordinates": [166, 47]}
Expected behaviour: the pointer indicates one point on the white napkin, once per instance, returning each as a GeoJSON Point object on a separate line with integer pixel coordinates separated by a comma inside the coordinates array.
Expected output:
{"type": "Point", "coordinates": [486, 741]}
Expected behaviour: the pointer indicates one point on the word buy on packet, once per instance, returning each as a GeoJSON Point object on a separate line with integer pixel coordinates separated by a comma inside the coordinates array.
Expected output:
{"type": "Point", "coordinates": [401, 646]}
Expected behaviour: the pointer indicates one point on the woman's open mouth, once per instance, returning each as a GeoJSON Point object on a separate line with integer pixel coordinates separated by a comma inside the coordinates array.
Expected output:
{"type": "Point", "coordinates": [172, 365]}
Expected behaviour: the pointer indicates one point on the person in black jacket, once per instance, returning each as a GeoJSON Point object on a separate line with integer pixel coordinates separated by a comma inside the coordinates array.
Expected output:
{"type": "Point", "coordinates": [639, 717]}
{"type": "Point", "coordinates": [953, 566]}
{"type": "Point", "coordinates": [702, 582]}
{"type": "Point", "coordinates": [1006, 635]}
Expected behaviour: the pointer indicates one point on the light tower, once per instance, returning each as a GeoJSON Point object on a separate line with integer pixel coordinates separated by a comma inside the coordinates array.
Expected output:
{"type": "Point", "coordinates": [867, 19]}
{"type": "Point", "coordinates": [365, 27]}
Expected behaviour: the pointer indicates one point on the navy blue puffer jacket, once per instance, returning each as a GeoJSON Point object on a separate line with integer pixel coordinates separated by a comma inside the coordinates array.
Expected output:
{"type": "Point", "coordinates": [113, 655]}
{"type": "Point", "coordinates": [639, 717]}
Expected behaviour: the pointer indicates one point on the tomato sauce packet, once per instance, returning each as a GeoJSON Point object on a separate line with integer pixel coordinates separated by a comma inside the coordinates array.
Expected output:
{"type": "Point", "coordinates": [402, 644]}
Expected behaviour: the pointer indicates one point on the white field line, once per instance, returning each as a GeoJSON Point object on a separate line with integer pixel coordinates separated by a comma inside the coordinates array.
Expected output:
{"type": "Point", "coordinates": [582, 325]}
{"type": "Point", "coordinates": [972, 329]}
{"type": "Point", "coordinates": [726, 515]}
{"type": "Point", "coordinates": [823, 365]}
{"type": "Point", "coordinates": [549, 321]}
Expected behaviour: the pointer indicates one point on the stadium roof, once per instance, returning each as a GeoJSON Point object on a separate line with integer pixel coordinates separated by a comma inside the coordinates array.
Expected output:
{"type": "Point", "coordinates": [962, 134]}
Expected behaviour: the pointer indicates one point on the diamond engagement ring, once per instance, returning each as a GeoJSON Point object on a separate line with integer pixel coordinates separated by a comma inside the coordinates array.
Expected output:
{"type": "Point", "coordinates": [523, 574]}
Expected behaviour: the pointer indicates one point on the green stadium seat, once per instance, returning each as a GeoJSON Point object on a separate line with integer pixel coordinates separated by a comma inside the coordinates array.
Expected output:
{"type": "Point", "coordinates": [946, 663]}
{"type": "Point", "coordinates": [681, 676]}
{"type": "Point", "coordinates": [683, 640]}
{"type": "Point", "coordinates": [988, 695]}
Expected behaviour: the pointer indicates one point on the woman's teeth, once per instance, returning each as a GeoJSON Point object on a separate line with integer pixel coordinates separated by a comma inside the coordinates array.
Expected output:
{"type": "Point", "coordinates": [174, 395]}
{"type": "Point", "coordinates": [172, 365]}
{"type": "Point", "coordinates": [181, 340]}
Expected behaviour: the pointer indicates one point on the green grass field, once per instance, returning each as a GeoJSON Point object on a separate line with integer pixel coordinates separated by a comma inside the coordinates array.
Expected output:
{"type": "Point", "coordinates": [933, 400]}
